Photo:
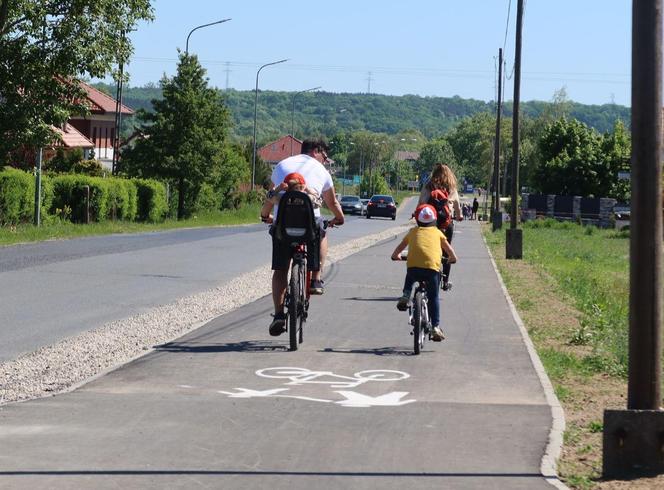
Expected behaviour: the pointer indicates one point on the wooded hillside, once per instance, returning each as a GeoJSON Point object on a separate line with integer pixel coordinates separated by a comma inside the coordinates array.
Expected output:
{"type": "Point", "coordinates": [327, 113]}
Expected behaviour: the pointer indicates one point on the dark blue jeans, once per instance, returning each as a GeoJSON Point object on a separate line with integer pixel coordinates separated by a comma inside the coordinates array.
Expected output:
{"type": "Point", "coordinates": [432, 278]}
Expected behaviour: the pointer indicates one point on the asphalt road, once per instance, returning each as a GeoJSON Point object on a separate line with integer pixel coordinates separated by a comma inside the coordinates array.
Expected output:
{"type": "Point", "coordinates": [227, 406]}
{"type": "Point", "coordinates": [55, 289]}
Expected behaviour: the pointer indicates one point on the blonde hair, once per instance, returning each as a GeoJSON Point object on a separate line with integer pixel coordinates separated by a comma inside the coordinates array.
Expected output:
{"type": "Point", "coordinates": [295, 185]}
{"type": "Point", "coordinates": [442, 177]}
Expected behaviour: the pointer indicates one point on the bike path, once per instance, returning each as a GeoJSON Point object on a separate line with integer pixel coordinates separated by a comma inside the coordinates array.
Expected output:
{"type": "Point", "coordinates": [355, 409]}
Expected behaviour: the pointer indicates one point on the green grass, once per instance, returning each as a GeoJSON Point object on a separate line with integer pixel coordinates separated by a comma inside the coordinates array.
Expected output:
{"type": "Point", "coordinates": [63, 230]}
{"type": "Point", "coordinates": [590, 267]}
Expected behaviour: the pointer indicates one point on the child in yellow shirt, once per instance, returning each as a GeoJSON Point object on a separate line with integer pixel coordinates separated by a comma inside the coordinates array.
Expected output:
{"type": "Point", "coordinates": [425, 244]}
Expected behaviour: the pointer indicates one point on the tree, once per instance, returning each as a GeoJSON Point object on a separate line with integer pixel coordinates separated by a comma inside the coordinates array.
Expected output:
{"type": "Point", "coordinates": [45, 47]}
{"type": "Point", "coordinates": [617, 149]}
{"type": "Point", "coordinates": [433, 152]}
{"type": "Point", "coordinates": [184, 137]}
{"type": "Point", "coordinates": [374, 185]}
{"type": "Point", "coordinates": [572, 161]}
{"type": "Point", "coordinates": [472, 142]}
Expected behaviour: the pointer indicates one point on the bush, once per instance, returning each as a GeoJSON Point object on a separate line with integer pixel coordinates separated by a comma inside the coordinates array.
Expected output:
{"type": "Point", "coordinates": [69, 190]}
{"type": "Point", "coordinates": [17, 196]}
{"type": "Point", "coordinates": [208, 199]}
{"type": "Point", "coordinates": [122, 199]}
{"type": "Point", "coordinates": [89, 167]}
{"type": "Point", "coordinates": [152, 204]}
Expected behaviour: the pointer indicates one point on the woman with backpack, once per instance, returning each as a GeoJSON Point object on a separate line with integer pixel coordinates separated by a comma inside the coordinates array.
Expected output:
{"type": "Point", "coordinates": [441, 192]}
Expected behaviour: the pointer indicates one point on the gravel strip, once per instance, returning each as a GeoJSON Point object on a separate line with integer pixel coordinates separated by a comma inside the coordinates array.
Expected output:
{"type": "Point", "coordinates": [69, 363]}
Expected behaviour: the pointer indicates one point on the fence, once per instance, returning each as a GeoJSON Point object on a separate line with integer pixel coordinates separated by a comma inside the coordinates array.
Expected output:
{"type": "Point", "coordinates": [588, 210]}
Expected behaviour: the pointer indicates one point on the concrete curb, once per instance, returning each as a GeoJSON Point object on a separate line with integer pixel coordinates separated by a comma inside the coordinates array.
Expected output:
{"type": "Point", "coordinates": [554, 446]}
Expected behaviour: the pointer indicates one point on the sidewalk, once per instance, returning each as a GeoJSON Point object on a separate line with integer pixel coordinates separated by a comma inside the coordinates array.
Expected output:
{"type": "Point", "coordinates": [353, 409]}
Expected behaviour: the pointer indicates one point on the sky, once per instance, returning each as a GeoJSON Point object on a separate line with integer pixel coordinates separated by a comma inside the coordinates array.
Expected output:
{"type": "Point", "coordinates": [436, 48]}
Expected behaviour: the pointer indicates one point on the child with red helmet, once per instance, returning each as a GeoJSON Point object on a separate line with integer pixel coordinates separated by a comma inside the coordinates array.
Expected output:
{"type": "Point", "coordinates": [292, 182]}
{"type": "Point", "coordinates": [425, 243]}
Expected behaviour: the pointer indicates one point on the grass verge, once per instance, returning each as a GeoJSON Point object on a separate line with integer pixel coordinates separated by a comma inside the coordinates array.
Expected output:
{"type": "Point", "coordinates": [62, 230]}
{"type": "Point", "coordinates": [571, 291]}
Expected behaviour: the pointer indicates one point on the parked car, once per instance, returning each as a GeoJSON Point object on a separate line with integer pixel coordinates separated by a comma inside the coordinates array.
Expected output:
{"type": "Point", "coordinates": [351, 205]}
{"type": "Point", "coordinates": [381, 205]}
{"type": "Point", "coordinates": [364, 205]}
{"type": "Point", "coordinates": [622, 215]}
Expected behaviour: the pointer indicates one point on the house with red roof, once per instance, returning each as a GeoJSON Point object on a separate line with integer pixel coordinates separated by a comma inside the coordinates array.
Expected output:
{"type": "Point", "coordinates": [284, 147]}
{"type": "Point", "coordinates": [276, 151]}
{"type": "Point", "coordinates": [98, 127]}
{"type": "Point", "coordinates": [70, 138]}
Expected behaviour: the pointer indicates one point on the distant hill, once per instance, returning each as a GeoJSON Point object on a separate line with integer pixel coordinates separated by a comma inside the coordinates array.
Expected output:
{"type": "Point", "coordinates": [326, 113]}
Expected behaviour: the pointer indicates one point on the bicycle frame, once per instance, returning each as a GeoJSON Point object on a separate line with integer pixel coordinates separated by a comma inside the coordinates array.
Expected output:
{"type": "Point", "coordinates": [297, 302]}
{"type": "Point", "coordinates": [418, 316]}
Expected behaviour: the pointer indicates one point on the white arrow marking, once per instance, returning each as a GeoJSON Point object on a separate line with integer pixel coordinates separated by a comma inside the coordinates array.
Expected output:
{"type": "Point", "coordinates": [245, 393]}
{"type": "Point", "coordinates": [354, 399]}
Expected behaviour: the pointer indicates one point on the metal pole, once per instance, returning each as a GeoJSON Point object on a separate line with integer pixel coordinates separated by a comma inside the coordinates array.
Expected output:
{"type": "Point", "coordinates": [118, 115]}
{"type": "Point", "coordinates": [38, 170]}
{"type": "Point", "coordinates": [87, 204]}
{"type": "Point", "coordinates": [293, 115]}
{"type": "Point", "coordinates": [514, 242]}
{"type": "Point", "coordinates": [253, 157]}
{"type": "Point", "coordinates": [645, 311]}
{"type": "Point", "coordinates": [186, 51]}
{"type": "Point", "coordinates": [497, 221]}
{"type": "Point", "coordinates": [515, 117]}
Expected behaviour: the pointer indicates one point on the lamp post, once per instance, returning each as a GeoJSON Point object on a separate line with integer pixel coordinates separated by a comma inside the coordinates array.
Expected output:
{"type": "Point", "coordinates": [186, 50]}
{"type": "Point", "coordinates": [293, 115]}
{"type": "Point", "coordinates": [253, 158]}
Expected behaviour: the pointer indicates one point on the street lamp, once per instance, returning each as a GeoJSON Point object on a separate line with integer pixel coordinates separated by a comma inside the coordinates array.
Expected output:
{"type": "Point", "coordinates": [253, 158]}
{"type": "Point", "coordinates": [186, 50]}
{"type": "Point", "coordinates": [293, 115]}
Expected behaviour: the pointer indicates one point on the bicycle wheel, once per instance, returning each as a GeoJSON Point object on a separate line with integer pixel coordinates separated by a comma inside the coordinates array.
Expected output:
{"type": "Point", "coordinates": [294, 306]}
{"type": "Point", "coordinates": [304, 286]}
{"type": "Point", "coordinates": [418, 331]}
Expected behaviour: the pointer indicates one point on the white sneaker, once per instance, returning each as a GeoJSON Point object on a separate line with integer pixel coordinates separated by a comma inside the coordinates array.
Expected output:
{"type": "Point", "coordinates": [437, 334]}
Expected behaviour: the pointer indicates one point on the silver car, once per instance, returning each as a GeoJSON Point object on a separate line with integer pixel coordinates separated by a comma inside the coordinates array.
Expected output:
{"type": "Point", "coordinates": [351, 205]}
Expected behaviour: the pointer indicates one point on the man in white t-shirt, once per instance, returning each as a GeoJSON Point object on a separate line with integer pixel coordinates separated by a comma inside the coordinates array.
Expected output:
{"type": "Point", "coordinates": [310, 165]}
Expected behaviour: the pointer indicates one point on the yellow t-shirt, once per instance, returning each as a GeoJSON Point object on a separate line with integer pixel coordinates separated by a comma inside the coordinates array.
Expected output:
{"type": "Point", "coordinates": [424, 247]}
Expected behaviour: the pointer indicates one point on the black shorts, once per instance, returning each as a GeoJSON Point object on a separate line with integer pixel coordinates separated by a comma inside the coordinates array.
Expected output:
{"type": "Point", "coordinates": [282, 252]}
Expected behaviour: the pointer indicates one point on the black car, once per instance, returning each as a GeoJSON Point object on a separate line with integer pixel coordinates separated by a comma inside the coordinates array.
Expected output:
{"type": "Point", "coordinates": [380, 205]}
{"type": "Point", "coordinates": [351, 205]}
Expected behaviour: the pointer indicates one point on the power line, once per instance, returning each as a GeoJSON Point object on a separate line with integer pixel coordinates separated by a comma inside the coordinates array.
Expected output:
{"type": "Point", "coordinates": [408, 71]}
{"type": "Point", "coordinates": [507, 24]}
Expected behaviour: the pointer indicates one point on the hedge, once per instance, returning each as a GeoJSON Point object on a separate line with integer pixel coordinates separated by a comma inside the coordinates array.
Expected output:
{"type": "Point", "coordinates": [64, 196]}
{"type": "Point", "coordinates": [17, 196]}
{"type": "Point", "coordinates": [152, 201]}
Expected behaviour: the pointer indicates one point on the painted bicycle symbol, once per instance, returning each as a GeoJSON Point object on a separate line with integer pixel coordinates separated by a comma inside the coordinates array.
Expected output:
{"type": "Point", "coordinates": [297, 376]}
{"type": "Point", "coordinates": [301, 376]}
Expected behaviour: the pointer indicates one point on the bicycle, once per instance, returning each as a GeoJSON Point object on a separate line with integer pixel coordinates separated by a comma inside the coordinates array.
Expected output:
{"type": "Point", "coordinates": [297, 295]}
{"type": "Point", "coordinates": [418, 314]}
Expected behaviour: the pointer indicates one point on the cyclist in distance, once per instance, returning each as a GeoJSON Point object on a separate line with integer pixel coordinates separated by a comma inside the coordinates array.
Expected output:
{"type": "Point", "coordinates": [425, 243]}
{"type": "Point", "coordinates": [309, 164]}
{"type": "Point", "coordinates": [442, 178]}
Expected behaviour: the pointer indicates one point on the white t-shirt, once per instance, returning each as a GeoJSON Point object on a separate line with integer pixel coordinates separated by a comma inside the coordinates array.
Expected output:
{"type": "Point", "coordinates": [315, 174]}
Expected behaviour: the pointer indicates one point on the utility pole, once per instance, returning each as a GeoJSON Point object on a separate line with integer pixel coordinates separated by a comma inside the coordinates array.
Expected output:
{"type": "Point", "coordinates": [118, 116]}
{"type": "Point", "coordinates": [514, 242]}
{"type": "Point", "coordinates": [369, 79]}
{"type": "Point", "coordinates": [228, 71]}
{"type": "Point", "coordinates": [497, 221]}
{"type": "Point", "coordinates": [632, 440]}
{"type": "Point", "coordinates": [38, 172]}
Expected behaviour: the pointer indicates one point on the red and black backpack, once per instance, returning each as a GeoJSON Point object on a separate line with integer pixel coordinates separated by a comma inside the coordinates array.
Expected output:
{"type": "Point", "coordinates": [440, 200]}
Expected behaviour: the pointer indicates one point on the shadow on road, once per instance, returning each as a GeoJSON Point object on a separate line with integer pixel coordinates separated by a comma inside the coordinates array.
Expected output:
{"type": "Point", "coordinates": [379, 351]}
{"type": "Point", "coordinates": [375, 298]}
{"type": "Point", "coordinates": [244, 346]}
